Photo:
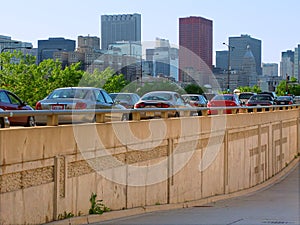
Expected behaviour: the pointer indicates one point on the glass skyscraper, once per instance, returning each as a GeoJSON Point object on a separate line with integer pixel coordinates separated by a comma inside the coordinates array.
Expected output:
{"type": "Point", "coordinates": [240, 47]}
{"type": "Point", "coordinates": [123, 27]}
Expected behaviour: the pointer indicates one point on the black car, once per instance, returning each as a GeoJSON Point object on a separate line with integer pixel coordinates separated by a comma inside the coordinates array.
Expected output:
{"type": "Point", "coordinates": [261, 100]}
{"type": "Point", "coordinates": [284, 100]}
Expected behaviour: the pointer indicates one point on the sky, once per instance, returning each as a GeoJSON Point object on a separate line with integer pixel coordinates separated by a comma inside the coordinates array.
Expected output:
{"type": "Point", "coordinates": [274, 22]}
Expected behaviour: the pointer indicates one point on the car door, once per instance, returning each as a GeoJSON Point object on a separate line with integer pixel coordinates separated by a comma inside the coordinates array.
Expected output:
{"type": "Point", "coordinates": [9, 101]}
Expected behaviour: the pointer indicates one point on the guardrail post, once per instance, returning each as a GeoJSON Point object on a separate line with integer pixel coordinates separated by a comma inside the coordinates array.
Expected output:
{"type": "Point", "coordinates": [164, 115]}
{"type": "Point", "coordinates": [52, 120]}
{"type": "Point", "coordinates": [100, 118]}
{"type": "Point", "coordinates": [204, 112]}
{"type": "Point", "coordinates": [136, 116]}
{"type": "Point", "coordinates": [187, 113]}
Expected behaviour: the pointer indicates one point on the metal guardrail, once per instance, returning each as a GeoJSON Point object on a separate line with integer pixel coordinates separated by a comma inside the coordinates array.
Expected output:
{"type": "Point", "coordinates": [52, 115]}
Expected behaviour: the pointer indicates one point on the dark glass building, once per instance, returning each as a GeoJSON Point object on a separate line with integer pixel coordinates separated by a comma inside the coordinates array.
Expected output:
{"type": "Point", "coordinates": [46, 48]}
{"type": "Point", "coordinates": [240, 47]}
{"type": "Point", "coordinates": [124, 27]}
{"type": "Point", "coordinates": [195, 35]}
{"type": "Point", "coordinates": [222, 60]}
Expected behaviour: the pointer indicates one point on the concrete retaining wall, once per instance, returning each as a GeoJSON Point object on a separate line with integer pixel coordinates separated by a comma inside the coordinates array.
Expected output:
{"type": "Point", "coordinates": [47, 171]}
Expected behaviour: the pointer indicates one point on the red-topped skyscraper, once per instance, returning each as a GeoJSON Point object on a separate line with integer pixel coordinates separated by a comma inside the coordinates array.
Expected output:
{"type": "Point", "coordinates": [196, 36]}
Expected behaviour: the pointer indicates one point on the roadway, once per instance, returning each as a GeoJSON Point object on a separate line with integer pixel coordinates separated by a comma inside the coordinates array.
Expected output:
{"type": "Point", "coordinates": [278, 204]}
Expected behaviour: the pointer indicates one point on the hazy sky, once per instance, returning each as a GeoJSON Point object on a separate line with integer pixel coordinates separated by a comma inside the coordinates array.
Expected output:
{"type": "Point", "coordinates": [275, 22]}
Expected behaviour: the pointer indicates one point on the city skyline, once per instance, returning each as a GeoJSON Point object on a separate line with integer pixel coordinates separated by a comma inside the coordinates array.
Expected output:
{"type": "Point", "coordinates": [274, 23]}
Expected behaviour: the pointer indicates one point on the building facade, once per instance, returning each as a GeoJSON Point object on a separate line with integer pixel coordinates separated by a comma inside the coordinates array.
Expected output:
{"type": "Point", "coordinates": [287, 64]}
{"type": "Point", "coordinates": [195, 48]}
{"type": "Point", "coordinates": [270, 69]}
{"type": "Point", "coordinates": [297, 63]}
{"type": "Point", "coordinates": [46, 48]}
{"type": "Point", "coordinates": [164, 59]}
{"type": "Point", "coordinates": [240, 46]}
{"type": "Point", "coordinates": [123, 27]}
{"type": "Point", "coordinates": [222, 60]}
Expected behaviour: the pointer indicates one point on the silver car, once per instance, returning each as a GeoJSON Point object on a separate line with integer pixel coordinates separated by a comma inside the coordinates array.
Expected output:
{"type": "Point", "coordinates": [79, 98]}
{"type": "Point", "coordinates": [163, 99]}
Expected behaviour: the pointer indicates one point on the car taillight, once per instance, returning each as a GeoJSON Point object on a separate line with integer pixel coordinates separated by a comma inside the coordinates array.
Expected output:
{"type": "Point", "coordinates": [290, 103]}
{"type": "Point", "coordinates": [208, 104]}
{"type": "Point", "coordinates": [162, 105]}
{"type": "Point", "coordinates": [230, 104]}
{"type": "Point", "coordinates": [38, 106]}
{"type": "Point", "coordinates": [80, 105]}
{"type": "Point", "coordinates": [196, 104]}
{"type": "Point", "coordinates": [139, 105]}
{"type": "Point", "coordinates": [249, 104]}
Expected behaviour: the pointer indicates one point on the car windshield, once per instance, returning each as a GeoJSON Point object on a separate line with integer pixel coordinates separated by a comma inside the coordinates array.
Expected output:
{"type": "Point", "coordinates": [70, 93]}
{"type": "Point", "coordinates": [261, 98]}
{"type": "Point", "coordinates": [157, 96]}
{"type": "Point", "coordinates": [223, 97]}
{"type": "Point", "coordinates": [193, 98]}
{"type": "Point", "coordinates": [122, 97]}
{"type": "Point", "coordinates": [245, 96]}
{"type": "Point", "coordinates": [284, 98]}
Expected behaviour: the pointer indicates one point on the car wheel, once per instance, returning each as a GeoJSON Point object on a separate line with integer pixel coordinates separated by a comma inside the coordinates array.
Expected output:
{"type": "Point", "coordinates": [30, 122]}
{"type": "Point", "coordinates": [177, 114]}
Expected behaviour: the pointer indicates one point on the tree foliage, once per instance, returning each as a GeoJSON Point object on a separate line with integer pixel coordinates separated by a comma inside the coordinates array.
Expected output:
{"type": "Point", "coordinates": [291, 87]}
{"type": "Point", "coordinates": [254, 89]}
{"type": "Point", "coordinates": [194, 89]}
{"type": "Point", "coordinates": [31, 82]}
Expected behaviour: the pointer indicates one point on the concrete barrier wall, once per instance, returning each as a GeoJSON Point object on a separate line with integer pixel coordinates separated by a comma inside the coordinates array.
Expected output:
{"type": "Point", "coordinates": [47, 171]}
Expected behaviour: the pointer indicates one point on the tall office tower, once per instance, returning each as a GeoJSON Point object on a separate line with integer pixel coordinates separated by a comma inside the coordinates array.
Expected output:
{"type": "Point", "coordinates": [241, 45]}
{"type": "Point", "coordinates": [46, 48]}
{"type": "Point", "coordinates": [297, 63]}
{"type": "Point", "coordinates": [222, 60]}
{"type": "Point", "coordinates": [287, 63]}
{"type": "Point", "coordinates": [195, 35]}
{"type": "Point", "coordinates": [124, 27]}
{"type": "Point", "coordinates": [270, 69]}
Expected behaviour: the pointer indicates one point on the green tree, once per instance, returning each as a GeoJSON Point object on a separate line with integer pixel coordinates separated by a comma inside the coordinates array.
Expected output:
{"type": "Point", "coordinates": [20, 74]}
{"type": "Point", "coordinates": [194, 89]}
{"type": "Point", "coordinates": [115, 83]}
{"type": "Point", "coordinates": [97, 78]}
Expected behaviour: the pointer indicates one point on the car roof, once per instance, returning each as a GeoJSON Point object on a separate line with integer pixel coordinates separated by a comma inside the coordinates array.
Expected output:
{"type": "Point", "coordinates": [78, 88]}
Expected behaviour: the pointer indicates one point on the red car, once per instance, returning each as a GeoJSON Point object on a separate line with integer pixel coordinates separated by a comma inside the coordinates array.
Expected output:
{"type": "Point", "coordinates": [10, 101]}
{"type": "Point", "coordinates": [225, 100]}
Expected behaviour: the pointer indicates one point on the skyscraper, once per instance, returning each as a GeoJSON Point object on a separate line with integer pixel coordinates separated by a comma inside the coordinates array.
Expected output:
{"type": "Point", "coordinates": [195, 35]}
{"type": "Point", "coordinates": [123, 27]}
{"type": "Point", "coordinates": [297, 63]}
{"type": "Point", "coordinates": [287, 63]}
{"type": "Point", "coordinates": [241, 45]}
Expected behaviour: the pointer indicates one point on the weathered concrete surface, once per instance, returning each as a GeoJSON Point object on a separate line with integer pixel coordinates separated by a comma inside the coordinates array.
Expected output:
{"type": "Point", "coordinates": [278, 204]}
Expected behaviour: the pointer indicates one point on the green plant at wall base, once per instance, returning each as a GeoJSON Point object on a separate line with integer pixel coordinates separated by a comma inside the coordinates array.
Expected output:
{"type": "Point", "coordinates": [97, 206]}
{"type": "Point", "coordinates": [65, 216]}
